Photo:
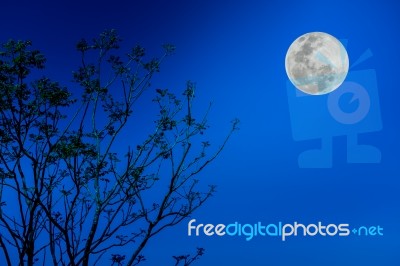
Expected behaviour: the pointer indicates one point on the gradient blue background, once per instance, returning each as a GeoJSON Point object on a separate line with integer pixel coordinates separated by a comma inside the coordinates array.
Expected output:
{"type": "Point", "coordinates": [234, 51]}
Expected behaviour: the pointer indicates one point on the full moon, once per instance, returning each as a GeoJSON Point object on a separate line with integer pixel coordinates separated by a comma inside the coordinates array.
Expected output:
{"type": "Point", "coordinates": [316, 63]}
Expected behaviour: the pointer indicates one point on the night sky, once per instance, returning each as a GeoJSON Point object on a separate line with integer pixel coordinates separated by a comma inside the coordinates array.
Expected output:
{"type": "Point", "coordinates": [235, 52]}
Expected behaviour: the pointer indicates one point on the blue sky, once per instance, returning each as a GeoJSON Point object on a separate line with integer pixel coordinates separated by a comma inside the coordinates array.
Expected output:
{"type": "Point", "coordinates": [235, 51]}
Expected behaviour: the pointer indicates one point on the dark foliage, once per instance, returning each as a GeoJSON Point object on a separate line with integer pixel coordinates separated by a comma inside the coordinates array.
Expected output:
{"type": "Point", "coordinates": [68, 196]}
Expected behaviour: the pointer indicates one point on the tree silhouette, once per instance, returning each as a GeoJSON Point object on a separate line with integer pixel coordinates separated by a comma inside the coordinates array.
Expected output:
{"type": "Point", "coordinates": [69, 195]}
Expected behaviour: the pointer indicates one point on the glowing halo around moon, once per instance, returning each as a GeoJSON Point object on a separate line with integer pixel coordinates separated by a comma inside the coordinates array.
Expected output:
{"type": "Point", "coordinates": [317, 63]}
